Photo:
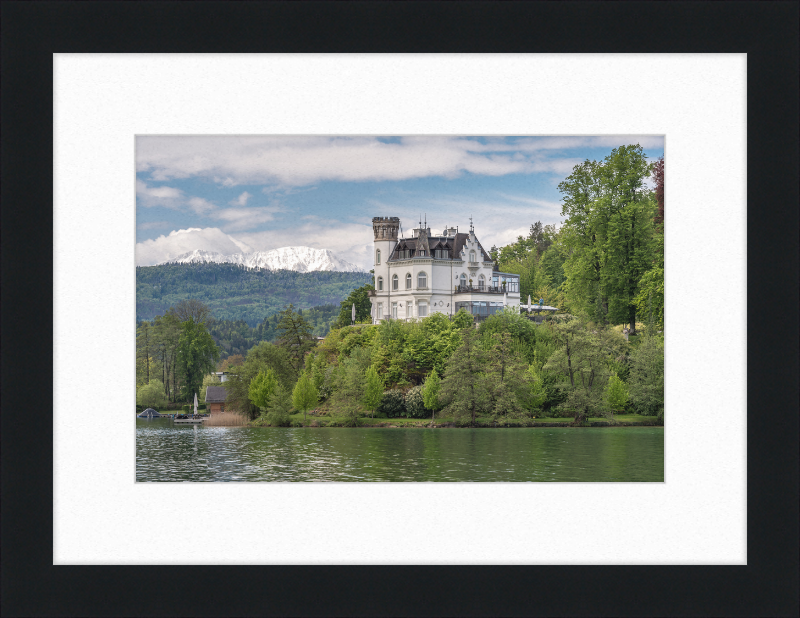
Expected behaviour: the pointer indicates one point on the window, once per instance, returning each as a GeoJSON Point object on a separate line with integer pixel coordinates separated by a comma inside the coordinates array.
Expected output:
{"type": "Point", "coordinates": [394, 311]}
{"type": "Point", "coordinates": [423, 310]}
{"type": "Point", "coordinates": [463, 280]}
{"type": "Point", "coordinates": [408, 281]}
{"type": "Point", "coordinates": [378, 256]}
{"type": "Point", "coordinates": [395, 283]}
{"type": "Point", "coordinates": [441, 254]}
{"type": "Point", "coordinates": [380, 311]}
{"type": "Point", "coordinates": [421, 252]}
{"type": "Point", "coordinates": [409, 309]}
{"type": "Point", "coordinates": [380, 284]}
{"type": "Point", "coordinates": [471, 256]}
{"type": "Point", "coordinates": [422, 280]}
{"type": "Point", "coordinates": [481, 283]}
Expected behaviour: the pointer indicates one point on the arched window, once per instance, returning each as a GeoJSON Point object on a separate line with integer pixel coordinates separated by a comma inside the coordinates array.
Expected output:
{"type": "Point", "coordinates": [408, 281]}
{"type": "Point", "coordinates": [463, 280]}
{"type": "Point", "coordinates": [481, 282]}
{"type": "Point", "coordinates": [422, 280]}
{"type": "Point", "coordinates": [380, 284]}
{"type": "Point", "coordinates": [378, 256]}
{"type": "Point", "coordinates": [395, 283]}
{"type": "Point", "coordinates": [471, 256]}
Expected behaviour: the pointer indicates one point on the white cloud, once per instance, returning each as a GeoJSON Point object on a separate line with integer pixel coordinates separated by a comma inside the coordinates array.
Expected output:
{"type": "Point", "coordinates": [163, 248]}
{"type": "Point", "coordinates": [149, 197]}
{"type": "Point", "coordinates": [241, 200]}
{"type": "Point", "coordinates": [238, 219]}
{"type": "Point", "coordinates": [200, 206]}
{"type": "Point", "coordinates": [297, 161]}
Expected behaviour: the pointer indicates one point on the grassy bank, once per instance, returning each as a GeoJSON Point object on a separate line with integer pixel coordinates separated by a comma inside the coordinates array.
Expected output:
{"type": "Point", "coordinates": [297, 420]}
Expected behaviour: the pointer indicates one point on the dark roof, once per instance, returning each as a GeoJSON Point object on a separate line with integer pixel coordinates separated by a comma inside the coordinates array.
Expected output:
{"type": "Point", "coordinates": [216, 394]}
{"type": "Point", "coordinates": [457, 243]}
{"type": "Point", "coordinates": [149, 412]}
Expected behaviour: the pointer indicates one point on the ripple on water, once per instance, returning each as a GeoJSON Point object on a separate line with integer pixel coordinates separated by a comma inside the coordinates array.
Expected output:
{"type": "Point", "coordinates": [168, 453]}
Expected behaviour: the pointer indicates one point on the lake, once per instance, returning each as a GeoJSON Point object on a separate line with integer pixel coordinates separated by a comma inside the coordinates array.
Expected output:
{"type": "Point", "coordinates": [165, 452]}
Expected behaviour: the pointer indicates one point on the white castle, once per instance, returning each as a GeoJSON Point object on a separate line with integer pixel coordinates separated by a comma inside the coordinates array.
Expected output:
{"type": "Point", "coordinates": [428, 273]}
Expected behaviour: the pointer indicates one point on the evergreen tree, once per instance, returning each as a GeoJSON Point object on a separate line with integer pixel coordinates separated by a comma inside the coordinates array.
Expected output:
{"type": "Point", "coordinates": [505, 377]}
{"type": "Point", "coordinates": [464, 391]}
{"type": "Point", "coordinates": [294, 336]}
{"type": "Point", "coordinates": [360, 298]}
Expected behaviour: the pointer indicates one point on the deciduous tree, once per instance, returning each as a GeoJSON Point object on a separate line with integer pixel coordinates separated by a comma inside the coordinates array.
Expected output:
{"type": "Point", "coordinates": [197, 356]}
{"type": "Point", "coordinates": [304, 395]}
{"type": "Point", "coordinates": [373, 390]}
{"type": "Point", "coordinates": [262, 387]}
{"type": "Point", "coordinates": [430, 393]}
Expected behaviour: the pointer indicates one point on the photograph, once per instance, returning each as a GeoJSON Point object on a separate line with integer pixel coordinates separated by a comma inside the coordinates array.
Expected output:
{"type": "Point", "coordinates": [399, 308]}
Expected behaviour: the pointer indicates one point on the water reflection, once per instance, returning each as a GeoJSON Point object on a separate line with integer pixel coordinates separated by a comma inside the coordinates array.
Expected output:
{"type": "Point", "coordinates": [166, 452]}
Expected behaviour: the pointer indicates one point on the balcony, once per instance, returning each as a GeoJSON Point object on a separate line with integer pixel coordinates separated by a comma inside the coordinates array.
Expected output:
{"type": "Point", "coordinates": [472, 289]}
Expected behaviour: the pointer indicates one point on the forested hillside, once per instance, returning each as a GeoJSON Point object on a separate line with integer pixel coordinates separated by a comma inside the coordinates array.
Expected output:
{"type": "Point", "coordinates": [233, 292]}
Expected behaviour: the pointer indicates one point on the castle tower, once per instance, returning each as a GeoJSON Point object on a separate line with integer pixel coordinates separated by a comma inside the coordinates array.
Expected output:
{"type": "Point", "coordinates": [385, 231]}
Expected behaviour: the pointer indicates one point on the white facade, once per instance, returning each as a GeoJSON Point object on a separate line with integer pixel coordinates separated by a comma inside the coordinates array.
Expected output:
{"type": "Point", "coordinates": [428, 273]}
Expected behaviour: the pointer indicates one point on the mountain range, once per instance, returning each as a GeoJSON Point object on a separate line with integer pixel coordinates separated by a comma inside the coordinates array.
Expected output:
{"type": "Point", "coordinates": [298, 259]}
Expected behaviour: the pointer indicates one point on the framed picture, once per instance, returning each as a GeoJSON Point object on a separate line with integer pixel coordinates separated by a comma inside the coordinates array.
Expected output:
{"type": "Point", "coordinates": [725, 509]}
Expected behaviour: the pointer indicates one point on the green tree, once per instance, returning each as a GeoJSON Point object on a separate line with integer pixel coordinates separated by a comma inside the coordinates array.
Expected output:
{"type": "Point", "coordinates": [373, 390]}
{"type": "Point", "coordinates": [191, 309]}
{"type": "Point", "coordinates": [279, 407]}
{"type": "Point", "coordinates": [359, 297]}
{"type": "Point", "coordinates": [536, 394]}
{"type": "Point", "coordinates": [263, 357]}
{"type": "Point", "coordinates": [504, 377]}
{"type": "Point", "coordinates": [430, 393]}
{"type": "Point", "coordinates": [609, 231]}
{"type": "Point", "coordinates": [166, 333]}
{"type": "Point", "coordinates": [197, 356]}
{"type": "Point", "coordinates": [145, 348]}
{"type": "Point", "coordinates": [463, 389]}
{"type": "Point", "coordinates": [646, 380]}
{"type": "Point", "coordinates": [582, 364]}
{"type": "Point", "coordinates": [294, 336]}
{"type": "Point", "coordinates": [616, 394]}
{"type": "Point", "coordinates": [262, 387]}
{"type": "Point", "coordinates": [304, 395]}
{"type": "Point", "coordinates": [350, 385]}
{"type": "Point", "coordinates": [151, 395]}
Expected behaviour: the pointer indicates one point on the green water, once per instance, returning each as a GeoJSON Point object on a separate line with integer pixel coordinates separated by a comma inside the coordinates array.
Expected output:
{"type": "Point", "coordinates": [165, 452]}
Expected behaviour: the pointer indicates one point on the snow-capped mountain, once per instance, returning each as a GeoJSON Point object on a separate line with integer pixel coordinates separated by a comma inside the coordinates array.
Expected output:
{"type": "Point", "coordinates": [300, 259]}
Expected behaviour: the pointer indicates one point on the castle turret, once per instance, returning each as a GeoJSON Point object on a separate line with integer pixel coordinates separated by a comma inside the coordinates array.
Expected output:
{"type": "Point", "coordinates": [385, 230]}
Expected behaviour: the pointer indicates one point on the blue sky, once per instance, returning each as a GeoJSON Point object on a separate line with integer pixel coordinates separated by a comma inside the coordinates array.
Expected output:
{"type": "Point", "coordinates": [253, 193]}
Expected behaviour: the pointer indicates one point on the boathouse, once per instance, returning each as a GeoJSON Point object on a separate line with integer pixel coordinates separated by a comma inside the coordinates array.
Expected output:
{"type": "Point", "coordinates": [215, 399]}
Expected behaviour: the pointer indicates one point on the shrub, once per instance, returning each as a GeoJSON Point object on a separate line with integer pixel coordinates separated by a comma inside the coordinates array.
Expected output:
{"type": "Point", "coordinates": [296, 423]}
{"type": "Point", "coordinates": [415, 405]}
{"type": "Point", "coordinates": [392, 404]}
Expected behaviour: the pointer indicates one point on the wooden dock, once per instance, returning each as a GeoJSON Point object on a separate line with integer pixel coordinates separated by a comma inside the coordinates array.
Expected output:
{"type": "Point", "coordinates": [188, 421]}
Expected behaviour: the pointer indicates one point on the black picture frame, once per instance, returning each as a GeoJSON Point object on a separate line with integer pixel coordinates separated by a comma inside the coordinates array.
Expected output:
{"type": "Point", "coordinates": [766, 31]}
